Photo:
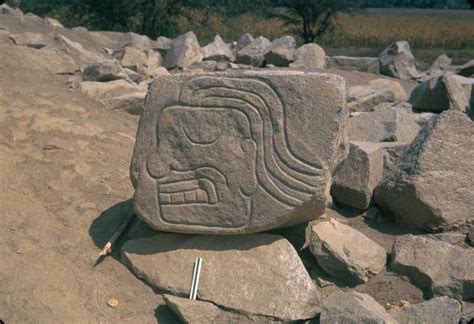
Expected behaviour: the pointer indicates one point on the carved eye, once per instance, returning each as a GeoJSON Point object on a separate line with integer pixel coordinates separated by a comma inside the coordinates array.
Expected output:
{"type": "Point", "coordinates": [201, 135]}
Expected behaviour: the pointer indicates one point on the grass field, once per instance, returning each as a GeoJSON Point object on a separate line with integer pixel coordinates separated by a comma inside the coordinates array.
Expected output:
{"type": "Point", "coordinates": [430, 32]}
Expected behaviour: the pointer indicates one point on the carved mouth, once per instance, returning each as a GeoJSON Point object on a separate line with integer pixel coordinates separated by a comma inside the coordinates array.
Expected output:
{"type": "Point", "coordinates": [183, 192]}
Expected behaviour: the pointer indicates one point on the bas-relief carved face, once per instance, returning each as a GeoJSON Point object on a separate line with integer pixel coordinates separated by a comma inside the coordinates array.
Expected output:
{"type": "Point", "coordinates": [204, 166]}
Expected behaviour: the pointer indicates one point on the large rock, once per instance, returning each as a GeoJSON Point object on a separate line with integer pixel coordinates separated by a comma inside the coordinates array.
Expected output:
{"type": "Point", "coordinates": [184, 52]}
{"type": "Point", "coordinates": [440, 310]}
{"type": "Point", "coordinates": [440, 93]}
{"type": "Point", "coordinates": [118, 94]}
{"type": "Point", "coordinates": [239, 152]}
{"type": "Point", "coordinates": [398, 61]}
{"type": "Point", "coordinates": [434, 186]}
{"type": "Point", "coordinates": [7, 10]}
{"type": "Point", "coordinates": [356, 178]}
{"type": "Point", "coordinates": [218, 51]}
{"type": "Point", "coordinates": [162, 45]}
{"type": "Point", "coordinates": [254, 53]}
{"type": "Point", "coordinates": [437, 267]}
{"type": "Point", "coordinates": [53, 22]}
{"type": "Point", "coordinates": [353, 308]}
{"type": "Point", "coordinates": [345, 253]}
{"type": "Point", "coordinates": [193, 311]}
{"type": "Point", "coordinates": [366, 97]}
{"type": "Point", "coordinates": [281, 51]}
{"type": "Point", "coordinates": [131, 58]}
{"type": "Point", "coordinates": [309, 56]}
{"type": "Point", "coordinates": [103, 71]}
{"type": "Point", "coordinates": [384, 124]}
{"type": "Point", "coordinates": [77, 49]}
{"type": "Point", "coordinates": [349, 63]}
{"type": "Point", "coordinates": [140, 42]}
{"type": "Point", "coordinates": [466, 70]}
{"type": "Point", "coordinates": [259, 274]}
{"type": "Point", "coordinates": [33, 40]}
{"type": "Point", "coordinates": [243, 41]}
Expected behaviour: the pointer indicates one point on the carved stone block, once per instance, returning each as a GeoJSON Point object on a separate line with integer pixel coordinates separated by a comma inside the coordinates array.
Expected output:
{"type": "Point", "coordinates": [238, 152]}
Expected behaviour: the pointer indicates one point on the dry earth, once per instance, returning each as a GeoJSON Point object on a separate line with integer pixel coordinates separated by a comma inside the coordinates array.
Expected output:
{"type": "Point", "coordinates": [64, 188]}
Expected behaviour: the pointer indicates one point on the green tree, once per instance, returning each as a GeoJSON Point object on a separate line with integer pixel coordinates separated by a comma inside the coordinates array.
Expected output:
{"type": "Point", "coordinates": [310, 18]}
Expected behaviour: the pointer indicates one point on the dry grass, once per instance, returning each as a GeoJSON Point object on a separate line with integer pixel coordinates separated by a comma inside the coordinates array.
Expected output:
{"type": "Point", "coordinates": [430, 29]}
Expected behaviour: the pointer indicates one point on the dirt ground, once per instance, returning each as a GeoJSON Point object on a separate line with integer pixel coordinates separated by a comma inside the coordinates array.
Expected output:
{"type": "Point", "coordinates": [64, 188]}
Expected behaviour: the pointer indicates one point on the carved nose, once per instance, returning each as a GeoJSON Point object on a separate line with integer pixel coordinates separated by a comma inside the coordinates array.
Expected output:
{"type": "Point", "coordinates": [156, 167]}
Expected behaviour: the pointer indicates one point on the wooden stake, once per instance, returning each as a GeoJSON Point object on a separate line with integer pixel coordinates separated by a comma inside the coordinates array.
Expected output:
{"type": "Point", "coordinates": [108, 247]}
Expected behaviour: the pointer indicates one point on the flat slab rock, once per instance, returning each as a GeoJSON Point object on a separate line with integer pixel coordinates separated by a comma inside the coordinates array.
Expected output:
{"type": "Point", "coordinates": [258, 274]}
{"type": "Point", "coordinates": [192, 311]}
{"type": "Point", "coordinates": [440, 310]}
{"type": "Point", "coordinates": [436, 266]}
{"type": "Point", "coordinates": [238, 152]}
{"type": "Point", "coordinates": [353, 307]}
{"type": "Point", "coordinates": [345, 253]}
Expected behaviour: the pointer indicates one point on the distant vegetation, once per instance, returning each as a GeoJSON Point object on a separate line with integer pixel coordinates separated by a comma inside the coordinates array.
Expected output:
{"type": "Point", "coordinates": [332, 23]}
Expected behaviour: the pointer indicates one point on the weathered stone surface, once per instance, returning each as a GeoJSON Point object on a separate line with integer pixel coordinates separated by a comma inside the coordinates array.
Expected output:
{"type": "Point", "coordinates": [238, 152]}
{"type": "Point", "coordinates": [184, 52]}
{"type": "Point", "coordinates": [345, 253]}
{"type": "Point", "coordinates": [259, 274]}
{"type": "Point", "coordinates": [438, 267]}
{"type": "Point", "coordinates": [356, 178]}
{"type": "Point", "coordinates": [192, 311]}
{"type": "Point", "coordinates": [353, 308]}
{"type": "Point", "coordinates": [440, 93]}
{"type": "Point", "coordinates": [393, 86]}
{"type": "Point", "coordinates": [162, 45]}
{"type": "Point", "coordinates": [392, 152]}
{"type": "Point", "coordinates": [140, 42]}
{"type": "Point", "coordinates": [103, 71]}
{"type": "Point", "coordinates": [118, 94]}
{"type": "Point", "coordinates": [78, 49]}
{"type": "Point", "coordinates": [131, 58]}
{"type": "Point", "coordinates": [29, 39]}
{"type": "Point", "coordinates": [7, 10]}
{"type": "Point", "coordinates": [467, 69]}
{"type": "Point", "coordinates": [440, 310]}
{"type": "Point", "coordinates": [309, 56]}
{"type": "Point", "coordinates": [349, 63]}
{"type": "Point", "coordinates": [243, 41]}
{"type": "Point", "coordinates": [254, 53]}
{"type": "Point", "coordinates": [80, 29]}
{"type": "Point", "coordinates": [454, 238]}
{"type": "Point", "coordinates": [365, 98]}
{"type": "Point", "coordinates": [218, 51]}
{"type": "Point", "coordinates": [281, 51]}
{"type": "Point", "coordinates": [385, 124]}
{"type": "Point", "coordinates": [434, 186]}
{"type": "Point", "coordinates": [53, 22]}
{"type": "Point", "coordinates": [398, 61]}
{"type": "Point", "coordinates": [153, 62]}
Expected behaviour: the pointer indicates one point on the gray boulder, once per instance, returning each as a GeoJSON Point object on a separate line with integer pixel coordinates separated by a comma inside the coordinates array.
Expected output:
{"type": "Point", "coordinates": [437, 267]}
{"type": "Point", "coordinates": [162, 45]}
{"type": "Point", "coordinates": [365, 98]}
{"type": "Point", "coordinates": [53, 22]}
{"type": "Point", "coordinates": [131, 58]}
{"type": "Point", "coordinates": [243, 41]}
{"type": "Point", "coordinates": [345, 253]}
{"type": "Point", "coordinates": [440, 310]}
{"type": "Point", "coordinates": [218, 51]}
{"type": "Point", "coordinates": [349, 63]}
{"type": "Point", "coordinates": [80, 29]}
{"type": "Point", "coordinates": [103, 71]}
{"type": "Point", "coordinates": [353, 308]}
{"type": "Point", "coordinates": [7, 10]}
{"type": "Point", "coordinates": [33, 40]}
{"type": "Point", "coordinates": [192, 311]}
{"type": "Point", "coordinates": [466, 70]}
{"type": "Point", "coordinates": [398, 61]}
{"type": "Point", "coordinates": [434, 186]}
{"type": "Point", "coordinates": [260, 115]}
{"type": "Point", "coordinates": [140, 42]}
{"type": "Point", "coordinates": [440, 93]}
{"type": "Point", "coordinates": [281, 51]}
{"type": "Point", "coordinates": [254, 53]}
{"type": "Point", "coordinates": [356, 178]}
{"type": "Point", "coordinates": [259, 274]}
{"type": "Point", "coordinates": [184, 52]}
{"type": "Point", "coordinates": [384, 124]}
{"type": "Point", "coordinates": [309, 56]}
{"type": "Point", "coordinates": [77, 49]}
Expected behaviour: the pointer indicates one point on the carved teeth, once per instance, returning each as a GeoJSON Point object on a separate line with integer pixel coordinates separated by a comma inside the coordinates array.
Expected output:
{"type": "Point", "coordinates": [187, 197]}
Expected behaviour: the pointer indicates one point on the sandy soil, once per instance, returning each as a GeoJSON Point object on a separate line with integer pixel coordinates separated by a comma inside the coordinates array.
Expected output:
{"type": "Point", "coordinates": [64, 188]}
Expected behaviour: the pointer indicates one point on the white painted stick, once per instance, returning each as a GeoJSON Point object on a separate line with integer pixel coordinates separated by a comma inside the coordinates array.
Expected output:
{"type": "Point", "coordinates": [198, 273]}
{"type": "Point", "coordinates": [191, 293]}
